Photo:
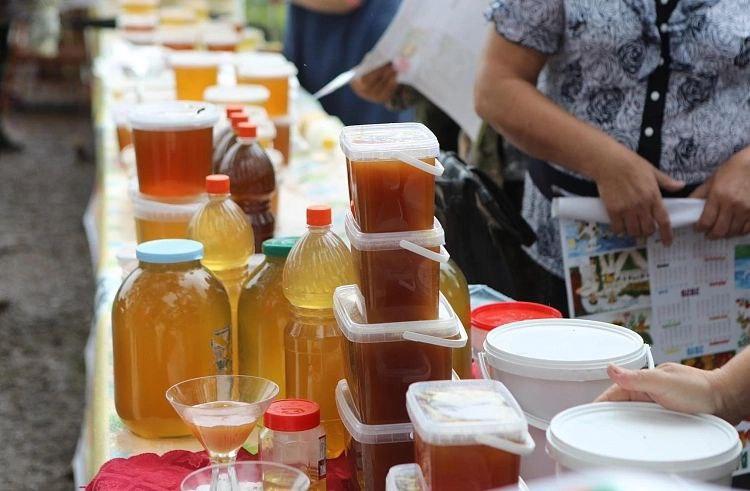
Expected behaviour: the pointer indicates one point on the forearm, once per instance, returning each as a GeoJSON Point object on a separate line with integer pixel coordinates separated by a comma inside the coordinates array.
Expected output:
{"type": "Point", "coordinates": [732, 388]}
{"type": "Point", "coordinates": [329, 6]}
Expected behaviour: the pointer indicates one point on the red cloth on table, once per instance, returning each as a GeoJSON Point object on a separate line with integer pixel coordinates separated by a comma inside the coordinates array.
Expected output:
{"type": "Point", "coordinates": [151, 472]}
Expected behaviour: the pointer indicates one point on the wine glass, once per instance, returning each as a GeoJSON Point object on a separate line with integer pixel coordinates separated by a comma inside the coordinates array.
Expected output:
{"type": "Point", "coordinates": [221, 411]}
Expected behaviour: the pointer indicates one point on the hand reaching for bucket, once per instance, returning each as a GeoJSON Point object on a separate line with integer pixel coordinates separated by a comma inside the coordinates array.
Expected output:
{"type": "Point", "coordinates": [677, 387]}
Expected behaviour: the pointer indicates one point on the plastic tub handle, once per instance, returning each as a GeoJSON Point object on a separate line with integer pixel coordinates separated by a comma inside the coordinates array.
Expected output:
{"type": "Point", "coordinates": [446, 343]}
{"type": "Point", "coordinates": [524, 448]}
{"type": "Point", "coordinates": [439, 257]}
{"type": "Point", "coordinates": [649, 357]}
{"type": "Point", "coordinates": [483, 365]}
{"type": "Point", "coordinates": [435, 170]}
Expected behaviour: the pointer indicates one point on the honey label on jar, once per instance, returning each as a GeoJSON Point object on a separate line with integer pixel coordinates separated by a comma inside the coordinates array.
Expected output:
{"type": "Point", "coordinates": [322, 457]}
{"type": "Point", "coordinates": [221, 345]}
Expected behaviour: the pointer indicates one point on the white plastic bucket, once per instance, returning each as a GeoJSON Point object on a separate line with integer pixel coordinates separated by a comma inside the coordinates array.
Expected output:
{"type": "Point", "coordinates": [550, 365]}
{"type": "Point", "coordinates": [644, 437]}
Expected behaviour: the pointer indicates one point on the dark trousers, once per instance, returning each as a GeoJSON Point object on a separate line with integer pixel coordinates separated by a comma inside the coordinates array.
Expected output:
{"type": "Point", "coordinates": [4, 52]}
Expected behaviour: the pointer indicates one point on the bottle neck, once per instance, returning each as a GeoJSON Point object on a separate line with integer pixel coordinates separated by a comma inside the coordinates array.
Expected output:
{"type": "Point", "coordinates": [318, 229]}
{"type": "Point", "coordinates": [218, 196]}
{"type": "Point", "coordinates": [308, 313]}
{"type": "Point", "coordinates": [246, 141]}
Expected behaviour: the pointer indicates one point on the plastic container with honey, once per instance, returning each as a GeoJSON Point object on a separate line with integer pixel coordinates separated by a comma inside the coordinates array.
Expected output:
{"type": "Point", "coordinates": [120, 117]}
{"type": "Point", "coordinates": [392, 170]}
{"type": "Point", "coordinates": [384, 359]}
{"type": "Point", "coordinates": [158, 220]}
{"type": "Point", "coordinates": [468, 434]}
{"type": "Point", "coordinates": [173, 143]}
{"type": "Point", "coordinates": [139, 7]}
{"type": "Point", "coordinates": [247, 95]}
{"type": "Point", "coordinates": [137, 29]}
{"type": "Point", "coordinates": [194, 71]}
{"type": "Point", "coordinates": [373, 448]}
{"type": "Point", "coordinates": [178, 38]}
{"type": "Point", "coordinates": [177, 15]}
{"type": "Point", "coordinates": [283, 140]}
{"type": "Point", "coordinates": [275, 77]}
{"type": "Point", "coordinates": [220, 38]}
{"type": "Point", "coordinates": [398, 272]}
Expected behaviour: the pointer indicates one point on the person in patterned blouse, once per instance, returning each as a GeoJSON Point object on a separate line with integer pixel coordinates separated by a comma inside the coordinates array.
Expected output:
{"type": "Point", "coordinates": [628, 100]}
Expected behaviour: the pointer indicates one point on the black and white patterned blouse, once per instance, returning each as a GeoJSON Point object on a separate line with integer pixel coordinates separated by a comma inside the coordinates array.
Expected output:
{"type": "Point", "coordinates": [669, 79]}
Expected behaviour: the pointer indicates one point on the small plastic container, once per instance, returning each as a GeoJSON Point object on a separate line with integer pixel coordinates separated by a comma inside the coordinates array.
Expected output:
{"type": "Point", "coordinates": [120, 117]}
{"type": "Point", "coordinates": [374, 448]}
{"type": "Point", "coordinates": [275, 77]}
{"type": "Point", "coordinates": [384, 359]}
{"type": "Point", "coordinates": [158, 220]}
{"type": "Point", "coordinates": [139, 7]}
{"type": "Point", "coordinates": [194, 71]}
{"type": "Point", "coordinates": [246, 95]}
{"type": "Point", "coordinates": [398, 272]}
{"type": "Point", "coordinates": [283, 140]}
{"type": "Point", "coordinates": [137, 29]}
{"type": "Point", "coordinates": [488, 317]}
{"type": "Point", "coordinates": [553, 364]}
{"type": "Point", "coordinates": [178, 38]}
{"type": "Point", "coordinates": [220, 38]}
{"type": "Point", "coordinates": [644, 437]}
{"type": "Point", "coordinates": [293, 435]}
{"type": "Point", "coordinates": [173, 143]}
{"type": "Point", "coordinates": [392, 170]}
{"type": "Point", "coordinates": [405, 477]}
{"type": "Point", "coordinates": [468, 434]}
{"type": "Point", "coordinates": [177, 16]}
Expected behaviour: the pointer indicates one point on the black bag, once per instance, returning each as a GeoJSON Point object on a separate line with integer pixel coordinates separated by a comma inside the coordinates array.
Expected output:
{"type": "Point", "coordinates": [484, 231]}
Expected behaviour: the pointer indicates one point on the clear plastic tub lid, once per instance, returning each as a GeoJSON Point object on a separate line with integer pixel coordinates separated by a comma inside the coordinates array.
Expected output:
{"type": "Point", "coordinates": [137, 20]}
{"type": "Point", "coordinates": [387, 141]}
{"type": "Point", "coordinates": [173, 116]}
{"type": "Point", "coordinates": [220, 34]}
{"type": "Point", "coordinates": [644, 436]}
{"type": "Point", "coordinates": [120, 112]}
{"type": "Point", "coordinates": [274, 69]}
{"type": "Point", "coordinates": [468, 412]}
{"type": "Point", "coordinates": [176, 35]}
{"type": "Point", "coordinates": [148, 209]}
{"type": "Point", "coordinates": [236, 94]}
{"type": "Point", "coordinates": [139, 3]}
{"type": "Point", "coordinates": [564, 349]}
{"type": "Point", "coordinates": [368, 434]}
{"type": "Point", "coordinates": [346, 308]}
{"type": "Point", "coordinates": [259, 58]}
{"type": "Point", "coordinates": [198, 59]}
{"type": "Point", "coordinates": [405, 477]}
{"type": "Point", "coordinates": [434, 237]}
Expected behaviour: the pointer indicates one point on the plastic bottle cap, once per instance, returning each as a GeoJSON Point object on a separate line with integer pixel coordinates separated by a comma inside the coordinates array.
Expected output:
{"type": "Point", "coordinates": [247, 130]}
{"type": "Point", "coordinates": [279, 246]}
{"type": "Point", "coordinates": [233, 109]}
{"type": "Point", "coordinates": [238, 118]}
{"type": "Point", "coordinates": [292, 415]}
{"type": "Point", "coordinates": [319, 215]}
{"type": "Point", "coordinates": [488, 317]}
{"type": "Point", "coordinates": [217, 184]}
{"type": "Point", "coordinates": [169, 251]}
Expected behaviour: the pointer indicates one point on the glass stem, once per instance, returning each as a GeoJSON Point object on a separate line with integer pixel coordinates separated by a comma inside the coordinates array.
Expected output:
{"type": "Point", "coordinates": [219, 478]}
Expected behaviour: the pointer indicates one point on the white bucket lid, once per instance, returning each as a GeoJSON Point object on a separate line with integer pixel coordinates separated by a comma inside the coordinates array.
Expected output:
{"type": "Point", "coordinates": [646, 437]}
{"type": "Point", "coordinates": [173, 116]}
{"type": "Point", "coordinates": [237, 94]}
{"type": "Point", "coordinates": [368, 434]}
{"type": "Point", "coordinates": [388, 141]}
{"type": "Point", "coordinates": [468, 412]}
{"type": "Point", "coordinates": [274, 69]}
{"type": "Point", "coordinates": [197, 59]}
{"type": "Point", "coordinates": [405, 477]}
{"type": "Point", "coordinates": [564, 349]}
{"type": "Point", "coordinates": [352, 325]}
{"type": "Point", "coordinates": [147, 209]}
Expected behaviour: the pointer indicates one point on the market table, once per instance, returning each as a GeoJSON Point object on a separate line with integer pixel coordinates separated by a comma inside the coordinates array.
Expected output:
{"type": "Point", "coordinates": [312, 176]}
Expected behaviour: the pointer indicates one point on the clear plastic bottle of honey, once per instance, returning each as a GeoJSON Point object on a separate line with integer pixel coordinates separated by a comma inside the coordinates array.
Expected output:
{"type": "Point", "coordinates": [221, 226]}
{"type": "Point", "coordinates": [318, 264]}
{"type": "Point", "coordinates": [456, 290]}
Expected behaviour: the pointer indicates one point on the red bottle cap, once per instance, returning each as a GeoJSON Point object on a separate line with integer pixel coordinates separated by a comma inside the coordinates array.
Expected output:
{"type": "Point", "coordinates": [319, 215]}
{"type": "Point", "coordinates": [217, 184]}
{"type": "Point", "coordinates": [238, 118]}
{"type": "Point", "coordinates": [292, 415]}
{"type": "Point", "coordinates": [488, 317]}
{"type": "Point", "coordinates": [247, 130]}
{"type": "Point", "coordinates": [234, 108]}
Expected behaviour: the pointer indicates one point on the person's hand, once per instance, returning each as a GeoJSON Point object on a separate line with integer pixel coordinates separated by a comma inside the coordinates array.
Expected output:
{"type": "Point", "coordinates": [630, 190]}
{"type": "Point", "coordinates": [377, 86]}
{"type": "Point", "coordinates": [727, 195]}
{"type": "Point", "coordinates": [673, 386]}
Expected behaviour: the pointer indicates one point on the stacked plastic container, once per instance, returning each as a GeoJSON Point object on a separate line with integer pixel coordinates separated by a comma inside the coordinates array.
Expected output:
{"type": "Point", "coordinates": [173, 141]}
{"type": "Point", "coordinates": [398, 328]}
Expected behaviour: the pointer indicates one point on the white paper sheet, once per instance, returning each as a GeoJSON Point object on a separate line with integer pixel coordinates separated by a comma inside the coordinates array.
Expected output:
{"type": "Point", "coordinates": [435, 47]}
{"type": "Point", "coordinates": [690, 300]}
